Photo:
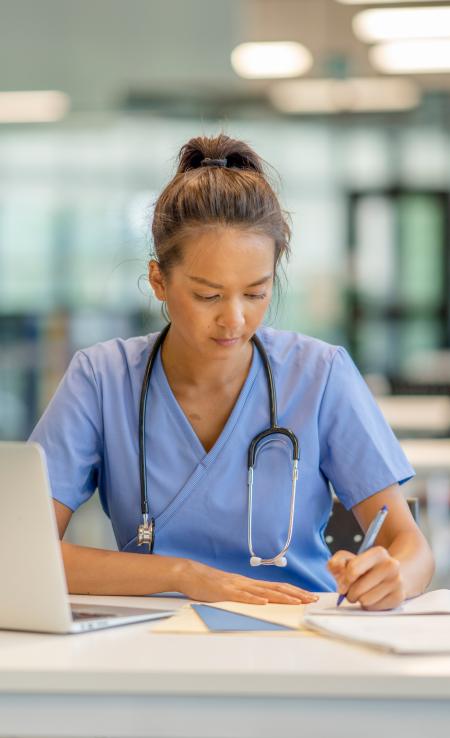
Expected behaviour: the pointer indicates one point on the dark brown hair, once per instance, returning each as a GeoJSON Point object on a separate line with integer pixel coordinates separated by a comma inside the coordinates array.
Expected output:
{"type": "Point", "coordinates": [233, 192]}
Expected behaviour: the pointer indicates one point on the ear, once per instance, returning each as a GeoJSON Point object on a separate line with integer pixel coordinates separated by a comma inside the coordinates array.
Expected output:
{"type": "Point", "coordinates": [156, 279]}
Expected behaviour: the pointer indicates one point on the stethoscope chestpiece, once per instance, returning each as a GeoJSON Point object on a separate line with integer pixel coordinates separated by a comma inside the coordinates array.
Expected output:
{"type": "Point", "coordinates": [146, 533]}
{"type": "Point", "coordinates": [255, 561]}
{"type": "Point", "coordinates": [277, 561]}
{"type": "Point", "coordinates": [281, 561]}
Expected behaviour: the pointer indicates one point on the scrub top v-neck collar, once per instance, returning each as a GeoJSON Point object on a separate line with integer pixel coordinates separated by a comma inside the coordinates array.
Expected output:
{"type": "Point", "coordinates": [206, 457]}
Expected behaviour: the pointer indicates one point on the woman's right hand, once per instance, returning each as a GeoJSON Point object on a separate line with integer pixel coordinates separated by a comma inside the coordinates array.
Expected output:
{"type": "Point", "coordinates": [206, 584]}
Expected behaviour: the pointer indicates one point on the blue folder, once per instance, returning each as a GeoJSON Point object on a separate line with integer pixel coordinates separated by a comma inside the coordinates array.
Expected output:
{"type": "Point", "coordinates": [224, 621]}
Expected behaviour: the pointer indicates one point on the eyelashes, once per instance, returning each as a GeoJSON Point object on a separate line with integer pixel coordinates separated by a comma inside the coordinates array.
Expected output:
{"type": "Point", "coordinates": [212, 298]}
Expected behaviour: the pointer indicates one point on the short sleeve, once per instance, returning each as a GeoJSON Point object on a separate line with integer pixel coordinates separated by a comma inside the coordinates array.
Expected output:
{"type": "Point", "coordinates": [70, 432]}
{"type": "Point", "coordinates": [360, 454]}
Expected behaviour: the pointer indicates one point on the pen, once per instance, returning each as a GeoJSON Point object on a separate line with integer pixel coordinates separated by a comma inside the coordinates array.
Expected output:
{"type": "Point", "coordinates": [369, 538]}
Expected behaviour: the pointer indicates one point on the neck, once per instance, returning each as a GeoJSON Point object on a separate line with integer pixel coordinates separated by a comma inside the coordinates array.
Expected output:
{"type": "Point", "coordinates": [184, 366]}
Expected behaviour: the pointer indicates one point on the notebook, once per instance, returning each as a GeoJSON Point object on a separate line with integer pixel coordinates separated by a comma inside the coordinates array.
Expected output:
{"type": "Point", "coordinates": [415, 634]}
{"type": "Point", "coordinates": [436, 602]}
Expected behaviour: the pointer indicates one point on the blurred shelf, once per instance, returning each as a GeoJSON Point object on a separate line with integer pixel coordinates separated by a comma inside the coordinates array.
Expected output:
{"type": "Point", "coordinates": [428, 455]}
{"type": "Point", "coordinates": [416, 413]}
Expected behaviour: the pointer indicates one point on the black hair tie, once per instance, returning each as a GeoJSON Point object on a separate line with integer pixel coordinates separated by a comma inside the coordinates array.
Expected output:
{"type": "Point", "coordinates": [213, 162]}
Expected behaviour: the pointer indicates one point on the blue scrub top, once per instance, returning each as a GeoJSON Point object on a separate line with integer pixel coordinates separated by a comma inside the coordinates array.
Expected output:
{"type": "Point", "coordinates": [199, 500]}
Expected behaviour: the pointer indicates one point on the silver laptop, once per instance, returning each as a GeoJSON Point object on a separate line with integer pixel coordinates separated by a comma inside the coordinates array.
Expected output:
{"type": "Point", "coordinates": [33, 589]}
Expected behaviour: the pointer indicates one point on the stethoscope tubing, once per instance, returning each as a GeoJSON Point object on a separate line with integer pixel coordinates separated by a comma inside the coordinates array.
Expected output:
{"type": "Point", "coordinates": [142, 450]}
{"type": "Point", "coordinates": [146, 531]}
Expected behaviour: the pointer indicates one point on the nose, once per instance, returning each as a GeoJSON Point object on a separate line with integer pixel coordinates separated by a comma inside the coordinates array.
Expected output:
{"type": "Point", "coordinates": [231, 317]}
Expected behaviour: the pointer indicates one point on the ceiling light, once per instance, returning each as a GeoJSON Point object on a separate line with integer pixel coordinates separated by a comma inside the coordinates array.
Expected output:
{"type": "Point", "coordinates": [413, 57]}
{"type": "Point", "coordinates": [33, 107]}
{"type": "Point", "coordinates": [355, 95]}
{"type": "Point", "coordinates": [399, 23]}
{"type": "Point", "coordinates": [271, 59]}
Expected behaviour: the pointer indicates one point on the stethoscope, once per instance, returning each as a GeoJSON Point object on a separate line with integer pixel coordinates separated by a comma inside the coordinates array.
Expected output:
{"type": "Point", "coordinates": [146, 530]}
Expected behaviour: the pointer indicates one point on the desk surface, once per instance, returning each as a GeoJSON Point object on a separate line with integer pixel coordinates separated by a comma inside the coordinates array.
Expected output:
{"type": "Point", "coordinates": [132, 659]}
{"type": "Point", "coordinates": [128, 682]}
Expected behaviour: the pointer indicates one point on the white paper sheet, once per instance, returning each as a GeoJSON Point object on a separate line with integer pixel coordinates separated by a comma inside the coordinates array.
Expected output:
{"type": "Point", "coordinates": [415, 634]}
{"type": "Point", "coordinates": [430, 603]}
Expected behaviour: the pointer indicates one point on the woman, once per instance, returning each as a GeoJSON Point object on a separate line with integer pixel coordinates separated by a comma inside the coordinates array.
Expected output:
{"type": "Point", "coordinates": [219, 235]}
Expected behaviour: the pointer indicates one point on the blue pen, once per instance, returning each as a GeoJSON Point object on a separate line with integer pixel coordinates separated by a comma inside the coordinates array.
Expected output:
{"type": "Point", "coordinates": [369, 538]}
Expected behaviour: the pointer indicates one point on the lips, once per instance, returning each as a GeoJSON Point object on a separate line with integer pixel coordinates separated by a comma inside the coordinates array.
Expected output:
{"type": "Point", "coordinates": [226, 341]}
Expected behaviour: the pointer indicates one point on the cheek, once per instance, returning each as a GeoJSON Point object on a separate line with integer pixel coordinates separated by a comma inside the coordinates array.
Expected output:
{"type": "Point", "coordinates": [262, 305]}
{"type": "Point", "coordinates": [255, 311]}
{"type": "Point", "coordinates": [189, 310]}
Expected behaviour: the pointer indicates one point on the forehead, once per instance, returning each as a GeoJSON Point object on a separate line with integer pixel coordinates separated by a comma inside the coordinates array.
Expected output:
{"type": "Point", "coordinates": [222, 252]}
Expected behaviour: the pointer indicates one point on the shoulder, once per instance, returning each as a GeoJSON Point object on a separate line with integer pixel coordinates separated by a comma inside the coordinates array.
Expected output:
{"type": "Point", "coordinates": [116, 357]}
{"type": "Point", "coordinates": [297, 350]}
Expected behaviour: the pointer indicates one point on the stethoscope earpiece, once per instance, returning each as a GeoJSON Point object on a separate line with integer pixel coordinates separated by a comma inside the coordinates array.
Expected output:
{"type": "Point", "coordinates": [258, 561]}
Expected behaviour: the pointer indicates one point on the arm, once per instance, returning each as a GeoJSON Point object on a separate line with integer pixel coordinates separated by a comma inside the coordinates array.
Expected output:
{"type": "Point", "coordinates": [101, 572]}
{"type": "Point", "coordinates": [399, 566]}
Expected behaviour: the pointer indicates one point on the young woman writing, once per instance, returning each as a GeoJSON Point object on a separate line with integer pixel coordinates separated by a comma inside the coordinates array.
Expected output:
{"type": "Point", "coordinates": [219, 238]}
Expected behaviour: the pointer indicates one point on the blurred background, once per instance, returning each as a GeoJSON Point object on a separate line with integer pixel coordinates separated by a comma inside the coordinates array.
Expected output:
{"type": "Point", "coordinates": [349, 101]}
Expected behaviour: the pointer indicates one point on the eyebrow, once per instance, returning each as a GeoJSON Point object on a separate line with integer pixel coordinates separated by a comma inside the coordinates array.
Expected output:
{"type": "Point", "coordinates": [201, 280]}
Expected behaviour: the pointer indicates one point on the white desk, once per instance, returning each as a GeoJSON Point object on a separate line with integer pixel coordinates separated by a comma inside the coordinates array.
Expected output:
{"type": "Point", "coordinates": [127, 682]}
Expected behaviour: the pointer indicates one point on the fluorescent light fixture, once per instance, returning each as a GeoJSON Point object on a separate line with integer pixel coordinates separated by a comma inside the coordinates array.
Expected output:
{"type": "Point", "coordinates": [412, 57]}
{"type": "Point", "coordinates": [271, 59]}
{"type": "Point", "coordinates": [357, 95]}
{"type": "Point", "coordinates": [33, 107]}
{"type": "Point", "coordinates": [399, 23]}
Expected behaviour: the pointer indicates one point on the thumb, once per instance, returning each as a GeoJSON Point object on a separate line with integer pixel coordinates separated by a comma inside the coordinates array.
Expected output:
{"type": "Point", "coordinates": [339, 561]}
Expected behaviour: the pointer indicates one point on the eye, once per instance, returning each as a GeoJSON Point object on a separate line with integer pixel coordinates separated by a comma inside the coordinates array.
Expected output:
{"type": "Point", "coordinates": [206, 298]}
{"type": "Point", "coordinates": [261, 296]}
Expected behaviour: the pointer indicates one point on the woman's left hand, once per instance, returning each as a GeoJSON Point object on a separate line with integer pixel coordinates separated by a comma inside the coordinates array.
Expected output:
{"type": "Point", "coordinates": [373, 578]}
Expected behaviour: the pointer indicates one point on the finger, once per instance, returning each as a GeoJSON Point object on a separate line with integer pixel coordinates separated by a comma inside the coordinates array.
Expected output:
{"type": "Point", "coordinates": [341, 557]}
{"type": "Point", "coordinates": [285, 587]}
{"type": "Point", "coordinates": [385, 596]}
{"type": "Point", "coordinates": [362, 563]}
{"type": "Point", "coordinates": [339, 561]}
{"type": "Point", "coordinates": [304, 599]}
{"type": "Point", "coordinates": [382, 573]}
{"type": "Point", "coordinates": [393, 599]}
{"type": "Point", "coordinates": [233, 594]}
{"type": "Point", "coordinates": [249, 598]}
{"type": "Point", "coordinates": [292, 590]}
{"type": "Point", "coordinates": [282, 597]}
{"type": "Point", "coordinates": [337, 565]}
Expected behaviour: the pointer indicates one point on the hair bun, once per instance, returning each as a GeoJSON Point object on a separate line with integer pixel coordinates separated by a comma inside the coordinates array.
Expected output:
{"type": "Point", "coordinates": [203, 151]}
{"type": "Point", "coordinates": [220, 182]}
